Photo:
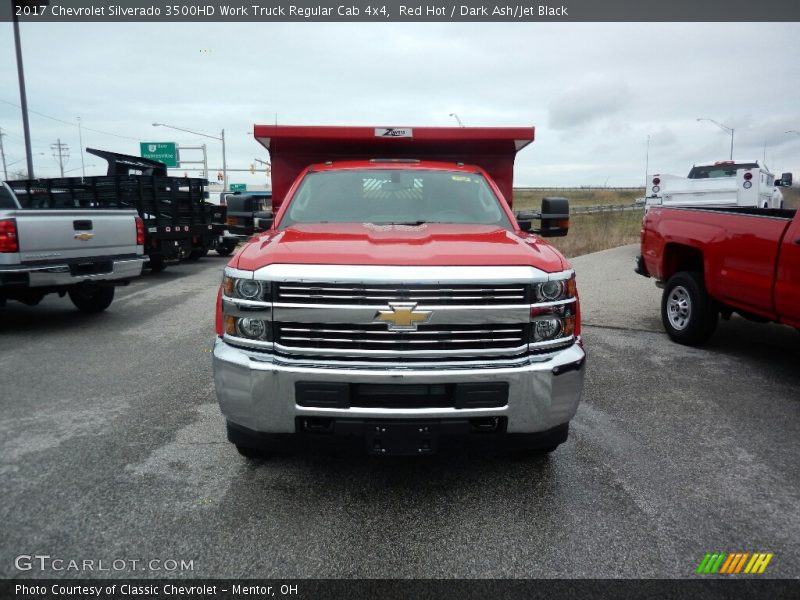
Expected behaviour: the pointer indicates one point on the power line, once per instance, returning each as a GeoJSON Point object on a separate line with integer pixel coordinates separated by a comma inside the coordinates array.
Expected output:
{"type": "Point", "coordinates": [124, 137]}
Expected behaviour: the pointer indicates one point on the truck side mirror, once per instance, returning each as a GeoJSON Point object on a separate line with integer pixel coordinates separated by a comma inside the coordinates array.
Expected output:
{"type": "Point", "coordinates": [525, 219]}
{"type": "Point", "coordinates": [785, 180]}
{"type": "Point", "coordinates": [262, 221]}
{"type": "Point", "coordinates": [555, 217]}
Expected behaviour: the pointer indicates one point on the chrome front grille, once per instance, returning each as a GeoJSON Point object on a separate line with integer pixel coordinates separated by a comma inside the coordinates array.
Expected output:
{"type": "Point", "coordinates": [375, 294]}
{"type": "Point", "coordinates": [427, 340]}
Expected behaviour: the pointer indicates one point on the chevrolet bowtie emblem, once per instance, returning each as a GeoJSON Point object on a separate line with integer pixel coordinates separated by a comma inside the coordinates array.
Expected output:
{"type": "Point", "coordinates": [83, 236]}
{"type": "Point", "coordinates": [402, 316]}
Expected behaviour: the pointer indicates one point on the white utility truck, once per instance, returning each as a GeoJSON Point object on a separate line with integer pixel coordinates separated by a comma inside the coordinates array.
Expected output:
{"type": "Point", "coordinates": [721, 183]}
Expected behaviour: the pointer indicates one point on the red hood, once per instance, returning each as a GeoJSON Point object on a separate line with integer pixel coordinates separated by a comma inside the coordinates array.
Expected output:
{"type": "Point", "coordinates": [433, 244]}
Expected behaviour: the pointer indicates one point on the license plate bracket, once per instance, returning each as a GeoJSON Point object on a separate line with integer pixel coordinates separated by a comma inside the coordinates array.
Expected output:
{"type": "Point", "coordinates": [401, 437]}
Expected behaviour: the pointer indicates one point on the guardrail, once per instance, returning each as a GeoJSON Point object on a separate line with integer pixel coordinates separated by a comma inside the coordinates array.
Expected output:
{"type": "Point", "coordinates": [601, 208]}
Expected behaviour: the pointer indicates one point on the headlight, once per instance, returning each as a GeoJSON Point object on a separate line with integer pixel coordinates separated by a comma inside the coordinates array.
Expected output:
{"type": "Point", "coordinates": [554, 290]}
{"type": "Point", "coordinates": [551, 290]}
{"type": "Point", "coordinates": [546, 328]}
{"type": "Point", "coordinates": [247, 289]}
{"type": "Point", "coordinates": [553, 315]}
{"type": "Point", "coordinates": [249, 328]}
{"type": "Point", "coordinates": [246, 310]}
{"type": "Point", "coordinates": [552, 323]}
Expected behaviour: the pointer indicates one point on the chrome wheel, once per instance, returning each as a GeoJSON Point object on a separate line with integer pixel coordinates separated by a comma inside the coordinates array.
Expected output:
{"type": "Point", "coordinates": [679, 308]}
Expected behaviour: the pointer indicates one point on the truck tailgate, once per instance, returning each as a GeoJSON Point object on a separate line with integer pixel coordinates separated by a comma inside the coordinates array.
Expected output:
{"type": "Point", "coordinates": [49, 235]}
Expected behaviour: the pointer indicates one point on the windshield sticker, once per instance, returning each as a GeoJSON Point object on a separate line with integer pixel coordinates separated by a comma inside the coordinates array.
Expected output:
{"type": "Point", "coordinates": [461, 178]}
{"type": "Point", "coordinates": [395, 227]}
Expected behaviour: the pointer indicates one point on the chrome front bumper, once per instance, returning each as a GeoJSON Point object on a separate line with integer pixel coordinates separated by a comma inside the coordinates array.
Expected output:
{"type": "Point", "coordinates": [257, 390]}
{"type": "Point", "coordinates": [60, 275]}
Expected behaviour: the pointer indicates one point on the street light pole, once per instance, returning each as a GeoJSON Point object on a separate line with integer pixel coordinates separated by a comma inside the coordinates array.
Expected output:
{"type": "Point", "coordinates": [224, 164]}
{"type": "Point", "coordinates": [267, 165]}
{"type": "Point", "coordinates": [455, 116]}
{"type": "Point", "coordinates": [646, 164]}
{"type": "Point", "coordinates": [213, 137]}
{"type": "Point", "coordinates": [3, 155]}
{"type": "Point", "coordinates": [729, 130]}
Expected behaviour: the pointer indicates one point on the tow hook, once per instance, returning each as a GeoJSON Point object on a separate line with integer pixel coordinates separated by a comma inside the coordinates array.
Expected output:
{"type": "Point", "coordinates": [318, 425]}
{"type": "Point", "coordinates": [485, 424]}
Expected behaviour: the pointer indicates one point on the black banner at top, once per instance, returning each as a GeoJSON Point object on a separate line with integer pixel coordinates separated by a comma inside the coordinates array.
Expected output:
{"type": "Point", "coordinates": [338, 11]}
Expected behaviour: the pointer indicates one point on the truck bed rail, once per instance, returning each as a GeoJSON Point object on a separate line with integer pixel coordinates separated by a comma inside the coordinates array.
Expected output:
{"type": "Point", "coordinates": [159, 200]}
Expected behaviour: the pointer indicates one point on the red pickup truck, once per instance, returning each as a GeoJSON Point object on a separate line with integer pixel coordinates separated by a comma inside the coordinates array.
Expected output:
{"type": "Point", "coordinates": [396, 301]}
{"type": "Point", "coordinates": [713, 261]}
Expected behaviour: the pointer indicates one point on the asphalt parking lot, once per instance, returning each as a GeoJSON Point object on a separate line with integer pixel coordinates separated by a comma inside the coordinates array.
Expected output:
{"type": "Point", "coordinates": [113, 448]}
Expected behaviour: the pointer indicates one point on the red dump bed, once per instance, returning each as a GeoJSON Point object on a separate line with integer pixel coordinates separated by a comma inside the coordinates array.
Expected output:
{"type": "Point", "coordinates": [293, 148]}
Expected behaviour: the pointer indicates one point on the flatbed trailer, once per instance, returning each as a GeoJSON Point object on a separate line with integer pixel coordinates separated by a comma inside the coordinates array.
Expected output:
{"type": "Point", "coordinates": [178, 221]}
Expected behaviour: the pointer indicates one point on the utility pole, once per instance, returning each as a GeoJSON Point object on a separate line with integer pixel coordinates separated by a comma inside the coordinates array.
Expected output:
{"type": "Point", "coordinates": [62, 152]}
{"type": "Point", "coordinates": [23, 97]}
{"type": "Point", "coordinates": [3, 154]}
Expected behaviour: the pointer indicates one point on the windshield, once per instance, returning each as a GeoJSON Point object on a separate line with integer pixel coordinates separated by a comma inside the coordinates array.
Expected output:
{"type": "Point", "coordinates": [394, 196]}
{"type": "Point", "coordinates": [720, 170]}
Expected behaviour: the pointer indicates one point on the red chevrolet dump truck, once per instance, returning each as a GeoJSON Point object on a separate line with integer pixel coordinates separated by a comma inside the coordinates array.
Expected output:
{"type": "Point", "coordinates": [396, 301]}
{"type": "Point", "coordinates": [713, 261]}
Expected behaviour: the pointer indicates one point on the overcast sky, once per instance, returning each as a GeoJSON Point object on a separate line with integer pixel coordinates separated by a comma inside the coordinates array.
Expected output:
{"type": "Point", "coordinates": [594, 92]}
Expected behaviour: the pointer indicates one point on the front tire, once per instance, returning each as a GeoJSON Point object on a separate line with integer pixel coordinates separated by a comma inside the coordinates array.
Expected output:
{"type": "Point", "coordinates": [252, 453]}
{"type": "Point", "coordinates": [225, 250]}
{"type": "Point", "coordinates": [92, 300]}
{"type": "Point", "coordinates": [688, 313]}
{"type": "Point", "coordinates": [541, 445]}
{"type": "Point", "coordinates": [157, 264]}
{"type": "Point", "coordinates": [197, 254]}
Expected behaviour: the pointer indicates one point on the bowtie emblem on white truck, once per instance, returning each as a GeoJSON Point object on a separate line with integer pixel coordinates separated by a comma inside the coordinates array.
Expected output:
{"type": "Point", "coordinates": [402, 317]}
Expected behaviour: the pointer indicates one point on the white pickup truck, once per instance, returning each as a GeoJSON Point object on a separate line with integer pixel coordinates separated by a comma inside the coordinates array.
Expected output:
{"type": "Point", "coordinates": [724, 183]}
{"type": "Point", "coordinates": [62, 249]}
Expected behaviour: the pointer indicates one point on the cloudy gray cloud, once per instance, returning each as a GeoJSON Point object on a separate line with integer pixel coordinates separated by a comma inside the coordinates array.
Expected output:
{"type": "Point", "coordinates": [593, 91]}
{"type": "Point", "coordinates": [595, 99]}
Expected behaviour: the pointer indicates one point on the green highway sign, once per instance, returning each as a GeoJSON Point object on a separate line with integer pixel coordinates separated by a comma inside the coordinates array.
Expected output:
{"type": "Point", "coordinates": [165, 152]}
{"type": "Point", "coordinates": [238, 187]}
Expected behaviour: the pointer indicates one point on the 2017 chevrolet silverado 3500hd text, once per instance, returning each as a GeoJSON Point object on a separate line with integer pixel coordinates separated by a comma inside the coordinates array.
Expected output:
{"type": "Point", "coordinates": [396, 301]}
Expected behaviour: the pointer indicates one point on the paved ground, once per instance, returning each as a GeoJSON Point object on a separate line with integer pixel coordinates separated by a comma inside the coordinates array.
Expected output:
{"type": "Point", "coordinates": [112, 447]}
